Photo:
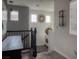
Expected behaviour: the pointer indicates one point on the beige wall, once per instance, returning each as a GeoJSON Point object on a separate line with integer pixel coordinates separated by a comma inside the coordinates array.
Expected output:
{"type": "Point", "coordinates": [61, 40]}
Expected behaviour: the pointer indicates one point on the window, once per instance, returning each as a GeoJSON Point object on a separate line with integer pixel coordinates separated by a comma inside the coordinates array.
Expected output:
{"type": "Point", "coordinates": [73, 18]}
{"type": "Point", "coordinates": [14, 16]}
{"type": "Point", "coordinates": [34, 18]}
{"type": "Point", "coordinates": [48, 20]}
{"type": "Point", "coordinates": [4, 14]}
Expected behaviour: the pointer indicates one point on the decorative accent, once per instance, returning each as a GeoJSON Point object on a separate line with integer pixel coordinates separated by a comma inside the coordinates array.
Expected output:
{"type": "Point", "coordinates": [47, 30]}
{"type": "Point", "coordinates": [61, 18]}
{"type": "Point", "coordinates": [41, 18]}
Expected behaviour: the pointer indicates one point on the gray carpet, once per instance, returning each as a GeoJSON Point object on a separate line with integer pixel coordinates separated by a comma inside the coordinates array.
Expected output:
{"type": "Point", "coordinates": [42, 49]}
{"type": "Point", "coordinates": [44, 55]}
{"type": "Point", "coordinates": [52, 55]}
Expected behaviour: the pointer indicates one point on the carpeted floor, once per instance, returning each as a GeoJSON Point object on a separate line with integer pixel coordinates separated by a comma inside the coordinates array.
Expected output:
{"type": "Point", "coordinates": [44, 55]}
{"type": "Point", "coordinates": [42, 49]}
{"type": "Point", "coordinates": [52, 55]}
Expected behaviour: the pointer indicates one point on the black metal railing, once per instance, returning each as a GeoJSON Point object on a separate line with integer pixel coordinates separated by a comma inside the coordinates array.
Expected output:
{"type": "Point", "coordinates": [33, 42]}
{"type": "Point", "coordinates": [25, 35]}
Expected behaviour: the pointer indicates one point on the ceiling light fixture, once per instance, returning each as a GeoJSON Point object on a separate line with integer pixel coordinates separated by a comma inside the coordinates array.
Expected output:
{"type": "Point", "coordinates": [37, 5]}
{"type": "Point", "coordinates": [38, 2]}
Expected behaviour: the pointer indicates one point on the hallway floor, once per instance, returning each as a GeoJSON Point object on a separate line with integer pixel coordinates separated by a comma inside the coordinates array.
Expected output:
{"type": "Point", "coordinates": [52, 55]}
{"type": "Point", "coordinates": [42, 53]}
{"type": "Point", "coordinates": [45, 55]}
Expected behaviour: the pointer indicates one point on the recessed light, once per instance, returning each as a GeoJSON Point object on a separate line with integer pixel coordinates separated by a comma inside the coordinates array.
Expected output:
{"type": "Point", "coordinates": [11, 1]}
{"type": "Point", "coordinates": [37, 5]}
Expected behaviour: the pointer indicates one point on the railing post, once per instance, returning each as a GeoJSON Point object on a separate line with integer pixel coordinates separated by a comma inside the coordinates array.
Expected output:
{"type": "Point", "coordinates": [33, 42]}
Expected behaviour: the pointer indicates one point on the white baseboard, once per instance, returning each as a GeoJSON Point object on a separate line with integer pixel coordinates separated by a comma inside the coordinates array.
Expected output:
{"type": "Point", "coordinates": [62, 54]}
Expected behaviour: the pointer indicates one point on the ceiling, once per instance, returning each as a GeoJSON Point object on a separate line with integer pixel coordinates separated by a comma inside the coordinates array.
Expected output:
{"type": "Point", "coordinates": [45, 5]}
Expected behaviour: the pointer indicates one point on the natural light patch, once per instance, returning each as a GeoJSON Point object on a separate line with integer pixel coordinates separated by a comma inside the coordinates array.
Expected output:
{"type": "Point", "coordinates": [34, 18]}
{"type": "Point", "coordinates": [14, 15]}
{"type": "Point", "coordinates": [48, 19]}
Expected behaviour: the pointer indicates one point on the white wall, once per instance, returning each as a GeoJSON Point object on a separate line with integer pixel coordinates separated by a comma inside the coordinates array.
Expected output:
{"type": "Point", "coordinates": [41, 26]}
{"type": "Point", "coordinates": [4, 21]}
{"type": "Point", "coordinates": [61, 40]}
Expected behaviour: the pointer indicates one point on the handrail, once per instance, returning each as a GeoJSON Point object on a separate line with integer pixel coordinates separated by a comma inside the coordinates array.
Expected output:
{"type": "Point", "coordinates": [33, 42]}
{"type": "Point", "coordinates": [20, 31]}
{"type": "Point", "coordinates": [25, 36]}
{"type": "Point", "coordinates": [33, 39]}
